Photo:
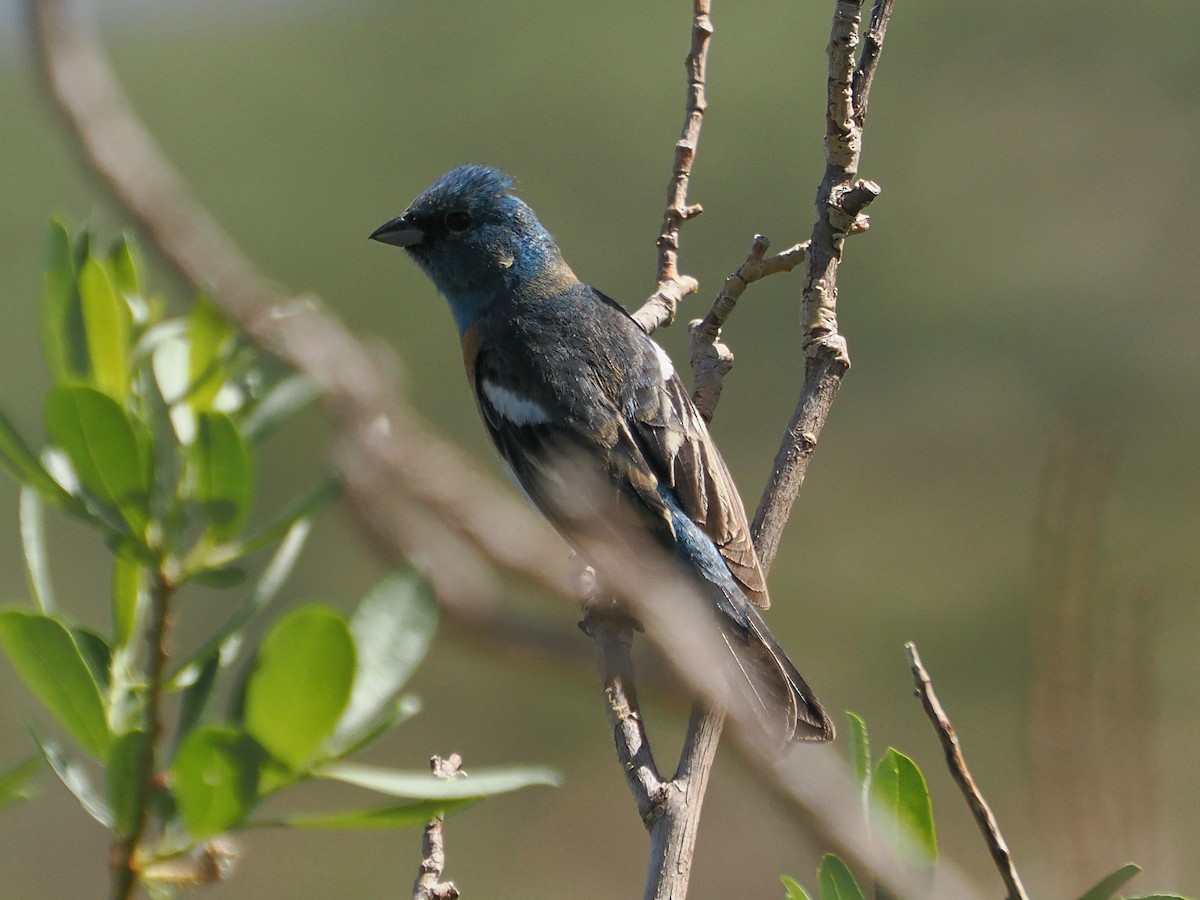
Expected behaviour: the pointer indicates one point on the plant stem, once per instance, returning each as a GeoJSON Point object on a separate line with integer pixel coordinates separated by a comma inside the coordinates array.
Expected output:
{"type": "Point", "coordinates": [125, 848]}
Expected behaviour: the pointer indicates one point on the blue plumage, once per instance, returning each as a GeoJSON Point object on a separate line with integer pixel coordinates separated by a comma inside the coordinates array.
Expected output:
{"type": "Point", "coordinates": [560, 371]}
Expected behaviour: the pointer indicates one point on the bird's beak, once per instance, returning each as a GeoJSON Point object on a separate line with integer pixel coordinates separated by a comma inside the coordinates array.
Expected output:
{"type": "Point", "coordinates": [400, 232]}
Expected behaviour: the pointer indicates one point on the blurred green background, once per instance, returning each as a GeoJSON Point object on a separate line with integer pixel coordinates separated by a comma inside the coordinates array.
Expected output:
{"type": "Point", "coordinates": [1031, 274]}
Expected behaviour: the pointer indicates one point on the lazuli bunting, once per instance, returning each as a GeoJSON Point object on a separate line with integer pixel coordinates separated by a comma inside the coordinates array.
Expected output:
{"type": "Point", "coordinates": [557, 367]}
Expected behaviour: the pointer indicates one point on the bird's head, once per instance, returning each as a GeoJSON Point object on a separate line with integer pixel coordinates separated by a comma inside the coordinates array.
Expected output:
{"type": "Point", "coordinates": [477, 242]}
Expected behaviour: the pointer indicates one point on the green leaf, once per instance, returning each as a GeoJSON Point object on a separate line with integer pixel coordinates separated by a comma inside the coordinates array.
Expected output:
{"type": "Point", "coordinates": [222, 579]}
{"type": "Point", "coordinates": [108, 325]}
{"type": "Point", "coordinates": [300, 683]}
{"type": "Point", "coordinates": [279, 404]}
{"type": "Point", "coordinates": [16, 784]}
{"type": "Point", "coordinates": [49, 662]}
{"type": "Point", "coordinates": [128, 579]}
{"type": "Point", "coordinates": [860, 753]}
{"type": "Point", "coordinates": [1158, 897]}
{"type": "Point", "coordinates": [392, 629]}
{"type": "Point", "coordinates": [75, 779]}
{"type": "Point", "coordinates": [300, 510]}
{"type": "Point", "coordinates": [264, 592]}
{"type": "Point", "coordinates": [425, 786]}
{"type": "Point", "coordinates": [898, 790]}
{"type": "Point", "coordinates": [124, 267]}
{"type": "Point", "coordinates": [196, 696]}
{"type": "Point", "coordinates": [396, 713]}
{"type": "Point", "coordinates": [794, 890]}
{"type": "Point", "coordinates": [96, 653]}
{"type": "Point", "coordinates": [224, 476]}
{"type": "Point", "coordinates": [835, 881]}
{"type": "Point", "coordinates": [99, 438]}
{"type": "Point", "coordinates": [1111, 883]}
{"type": "Point", "coordinates": [125, 776]}
{"type": "Point", "coordinates": [32, 515]}
{"type": "Point", "coordinates": [403, 815]}
{"type": "Point", "coordinates": [26, 467]}
{"type": "Point", "coordinates": [209, 341]}
{"type": "Point", "coordinates": [215, 779]}
{"type": "Point", "coordinates": [63, 340]}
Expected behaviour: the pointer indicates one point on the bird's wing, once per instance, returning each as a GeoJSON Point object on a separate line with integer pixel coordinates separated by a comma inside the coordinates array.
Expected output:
{"type": "Point", "coordinates": [551, 442]}
{"type": "Point", "coordinates": [674, 439]}
{"type": "Point", "coordinates": [637, 424]}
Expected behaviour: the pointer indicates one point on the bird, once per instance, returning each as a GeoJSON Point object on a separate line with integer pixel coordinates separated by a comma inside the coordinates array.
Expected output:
{"type": "Point", "coordinates": [560, 369]}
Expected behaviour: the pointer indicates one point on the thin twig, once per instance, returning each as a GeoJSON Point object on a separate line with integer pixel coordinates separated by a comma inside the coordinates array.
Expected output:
{"type": "Point", "coordinates": [614, 643]}
{"type": "Point", "coordinates": [672, 287]}
{"type": "Point", "coordinates": [711, 359]}
{"type": "Point", "coordinates": [1001, 855]}
{"type": "Point", "coordinates": [429, 884]}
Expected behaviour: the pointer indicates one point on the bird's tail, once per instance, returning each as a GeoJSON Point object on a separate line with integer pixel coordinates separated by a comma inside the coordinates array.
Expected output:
{"type": "Point", "coordinates": [773, 686]}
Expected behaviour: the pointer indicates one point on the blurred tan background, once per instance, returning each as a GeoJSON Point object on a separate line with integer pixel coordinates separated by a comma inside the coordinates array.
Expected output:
{"type": "Point", "coordinates": [1009, 476]}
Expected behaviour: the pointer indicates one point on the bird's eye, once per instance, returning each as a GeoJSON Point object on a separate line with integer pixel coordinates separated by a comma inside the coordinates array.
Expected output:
{"type": "Point", "coordinates": [458, 220]}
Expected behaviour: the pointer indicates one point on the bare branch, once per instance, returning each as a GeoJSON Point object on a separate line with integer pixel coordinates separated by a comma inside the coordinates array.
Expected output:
{"type": "Point", "coordinates": [710, 358]}
{"type": "Point", "coordinates": [841, 198]}
{"type": "Point", "coordinates": [1001, 855]}
{"type": "Point", "coordinates": [613, 636]}
{"type": "Point", "coordinates": [881, 14]}
{"type": "Point", "coordinates": [429, 884]}
{"type": "Point", "coordinates": [672, 287]}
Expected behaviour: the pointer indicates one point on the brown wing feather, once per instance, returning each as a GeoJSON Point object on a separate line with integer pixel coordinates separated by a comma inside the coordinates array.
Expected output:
{"type": "Point", "coordinates": [677, 444]}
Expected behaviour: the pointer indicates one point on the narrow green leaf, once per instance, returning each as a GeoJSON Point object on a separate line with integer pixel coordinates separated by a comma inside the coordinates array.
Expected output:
{"type": "Point", "coordinates": [425, 786]}
{"type": "Point", "coordinates": [16, 784]}
{"type": "Point", "coordinates": [301, 683]}
{"type": "Point", "coordinates": [898, 791]}
{"type": "Point", "coordinates": [31, 512]}
{"type": "Point", "coordinates": [196, 696]}
{"type": "Point", "coordinates": [224, 476]}
{"type": "Point", "coordinates": [96, 654]}
{"type": "Point", "coordinates": [75, 779]}
{"type": "Point", "coordinates": [108, 325]}
{"type": "Point", "coordinates": [215, 779]}
{"type": "Point", "coordinates": [128, 580]}
{"type": "Point", "coordinates": [1158, 897]}
{"type": "Point", "coordinates": [49, 662]}
{"type": "Point", "coordinates": [300, 510]}
{"type": "Point", "coordinates": [860, 752]}
{"type": "Point", "coordinates": [63, 340]}
{"type": "Point", "coordinates": [99, 439]}
{"type": "Point", "coordinates": [835, 881]}
{"type": "Point", "coordinates": [210, 338]}
{"type": "Point", "coordinates": [268, 586]}
{"type": "Point", "coordinates": [279, 404]}
{"type": "Point", "coordinates": [125, 777]}
{"type": "Point", "coordinates": [1107, 886]}
{"type": "Point", "coordinates": [392, 629]}
{"type": "Point", "coordinates": [396, 713]}
{"type": "Point", "coordinates": [222, 579]}
{"type": "Point", "coordinates": [16, 456]}
{"type": "Point", "coordinates": [403, 815]}
{"type": "Point", "coordinates": [793, 888]}
{"type": "Point", "coordinates": [124, 267]}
